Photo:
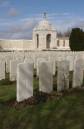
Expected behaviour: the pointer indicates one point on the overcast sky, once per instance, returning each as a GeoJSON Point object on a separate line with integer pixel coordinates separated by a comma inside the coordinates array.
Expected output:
{"type": "Point", "coordinates": [18, 17]}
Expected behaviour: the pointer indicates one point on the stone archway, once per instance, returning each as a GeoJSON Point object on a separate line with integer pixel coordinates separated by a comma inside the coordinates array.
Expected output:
{"type": "Point", "coordinates": [48, 40]}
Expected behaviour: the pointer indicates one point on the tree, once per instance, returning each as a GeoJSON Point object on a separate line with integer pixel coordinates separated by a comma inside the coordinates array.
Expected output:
{"type": "Point", "coordinates": [76, 40]}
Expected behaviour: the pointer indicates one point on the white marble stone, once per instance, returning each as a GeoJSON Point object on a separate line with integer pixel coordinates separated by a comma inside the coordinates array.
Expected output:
{"type": "Point", "coordinates": [24, 81]}
{"type": "Point", "coordinates": [28, 60]}
{"type": "Point", "coordinates": [13, 69]}
{"type": "Point", "coordinates": [45, 77]}
{"type": "Point", "coordinates": [8, 58]}
{"type": "Point", "coordinates": [37, 64]}
{"type": "Point", "coordinates": [53, 62]}
{"type": "Point", "coordinates": [78, 73]}
{"type": "Point", "coordinates": [2, 70]}
{"type": "Point", "coordinates": [62, 75]}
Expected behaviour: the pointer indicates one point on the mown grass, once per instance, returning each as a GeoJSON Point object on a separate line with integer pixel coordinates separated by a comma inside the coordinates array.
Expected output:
{"type": "Point", "coordinates": [65, 112]}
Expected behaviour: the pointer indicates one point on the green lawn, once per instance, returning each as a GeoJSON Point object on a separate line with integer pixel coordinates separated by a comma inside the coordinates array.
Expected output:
{"type": "Point", "coordinates": [58, 112]}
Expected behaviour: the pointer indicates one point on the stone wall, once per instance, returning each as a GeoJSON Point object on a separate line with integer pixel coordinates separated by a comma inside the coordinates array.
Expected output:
{"type": "Point", "coordinates": [30, 45]}
{"type": "Point", "coordinates": [16, 44]}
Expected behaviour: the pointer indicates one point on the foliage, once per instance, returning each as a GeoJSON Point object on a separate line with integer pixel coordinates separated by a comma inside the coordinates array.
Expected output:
{"type": "Point", "coordinates": [76, 40]}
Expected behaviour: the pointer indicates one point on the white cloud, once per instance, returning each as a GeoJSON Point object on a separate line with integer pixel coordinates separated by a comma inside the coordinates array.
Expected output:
{"type": "Point", "coordinates": [13, 12]}
{"type": "Point", "coordinates": [18, 30]}
{"type": "Point", "coordinates": [22, 28]}
{"type": "Point", "coordinates": [67, 22]}
{"type": "Point", "coordinates": [4, 3]}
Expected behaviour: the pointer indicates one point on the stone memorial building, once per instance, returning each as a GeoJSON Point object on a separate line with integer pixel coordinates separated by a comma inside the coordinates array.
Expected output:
{"type": "Point", "coordinates": [44, 37]}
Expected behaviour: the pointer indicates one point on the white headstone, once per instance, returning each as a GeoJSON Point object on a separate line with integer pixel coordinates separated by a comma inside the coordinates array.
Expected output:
{"type": "Point", "coordinates": [24, 81]}
{"type": "Point", "coordinates": [45, 77]}
{"type": "Point", "coordinates": [2, 70]}
{"type": "Point", "coordinates": [37, 64]}
{"type": "Point", "coordinates": [13, 69]}
{"type": "Point", "coordinates": [62, 75]}
{"type": "Point", "coordinates": [53, 62]}
{"type": "Point", "coordinates": [8, 58]}
{"type": "Point", "coordinates": [78, 73]}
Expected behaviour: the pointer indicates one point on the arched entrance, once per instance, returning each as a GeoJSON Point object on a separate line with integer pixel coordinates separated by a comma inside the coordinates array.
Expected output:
{"type": "Point", "coordinates": [37, 40]}
{"type": "Point", "coordinates": [48, 40]}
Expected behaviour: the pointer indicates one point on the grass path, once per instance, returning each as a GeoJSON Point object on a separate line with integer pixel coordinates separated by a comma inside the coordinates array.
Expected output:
{"type": "Point", "coordinates": [65, 112]}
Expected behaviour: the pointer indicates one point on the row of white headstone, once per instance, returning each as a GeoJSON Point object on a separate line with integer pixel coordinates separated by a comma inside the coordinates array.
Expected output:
{"type": "Point", "coordinates": [74, 65]}
{"type": "Point", "coordinates": [13, 66]}
{"type": "Point", "coordinates": [25, 73]}
{"type": "Point", "coordinates": [46, 68]}
{"type": "Point", "coordinates": [54, 55]}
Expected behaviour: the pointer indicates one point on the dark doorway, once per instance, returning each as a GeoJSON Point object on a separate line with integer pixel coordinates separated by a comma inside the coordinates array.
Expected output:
{"type": "Point", "coordinates": [48, 40]}
{"type": "Point", "coordinates": [37, 38]}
